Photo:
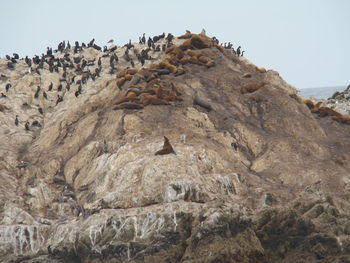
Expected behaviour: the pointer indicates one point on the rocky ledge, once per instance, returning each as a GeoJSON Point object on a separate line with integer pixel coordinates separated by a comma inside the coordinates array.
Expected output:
{"type": "Point", "coordinates": [170, 150]}
{"type": "Point", "coordinates": [340, 101]}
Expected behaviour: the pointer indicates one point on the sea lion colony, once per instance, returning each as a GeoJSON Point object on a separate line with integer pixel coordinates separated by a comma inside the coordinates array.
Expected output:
{"type": "Point", "coordinates": [140, 82]}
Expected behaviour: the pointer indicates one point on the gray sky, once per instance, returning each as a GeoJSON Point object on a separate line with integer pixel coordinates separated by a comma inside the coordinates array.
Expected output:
{"type": "Point", "coordinates": [306, 41]}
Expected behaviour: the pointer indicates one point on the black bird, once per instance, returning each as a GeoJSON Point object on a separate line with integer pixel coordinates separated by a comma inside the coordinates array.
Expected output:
{"type": "Point", "coordinates": [99, 61]}
{"type": "Point", "coordinates": [8, 57]}
{"type": "Point", "coordinates": [132, 63]}
{"type": "Point", "coordinates": [91, 43]}
{"type": "Point", "coordinates": [79, 89]}
{"type": "Point", "coordinates": [59, 99]}
{"type": "Point", "coordinates": [129, 45]}
{"type": "Point", "coordinates": [16, 120]}
{"type": "Point", "coordinates": [48, 51]}
{"type": "Point", "coordinates": [8, 86]}
{"type": "Point", "coordinates": [3, 95]}
{"type": "Point", "coordinates": [27, 126]}
{"type": "Point", "coordinates": [105, 147]}
{"type": "Point", "coordinates": [59, 87]}
{"type": "Point", "coordinates": [113, 49]}
{"type": "Point", "coordinates": [235, 145]}
{"type": "Point", "coordinates": [36, 123]}
{"type": "Point", "coordinates": [116, 58]}
{"type": "Point", "coordinates": [143, 39]}
{"type": "Point", "coordinates": [40, 110]}
{"type": "Point", "coordinates": [238, 51]}
{"type": "Point", "coordinates": [149, 42]}
{"type": "Point", "coordinates": [36, 95]}
{"type": "Point", "coordinates": [78, 92]}
{"type": "Point", "coordinates": [68, 86]}
{"type": "Point", "coordinates": [28, 61]}
{"type": "Point", "coordinates": [45, 95]}
{"type": "Point", "coordinates": [97, 47]}
{"type": "Point", "coordinates": [242, 53]}
{"type": "Point", "coordinates": [169, 37]}
{"type": "Point", "coordinates": [50, 87]}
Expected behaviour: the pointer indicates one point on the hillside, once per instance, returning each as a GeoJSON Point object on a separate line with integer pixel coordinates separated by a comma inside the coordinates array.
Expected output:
{"type": "Point", "coordinates": [248, 174]}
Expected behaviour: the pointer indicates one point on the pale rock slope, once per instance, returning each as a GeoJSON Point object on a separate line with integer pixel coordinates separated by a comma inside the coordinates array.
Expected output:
{"type": "Point", "coordinates": [256, 176]}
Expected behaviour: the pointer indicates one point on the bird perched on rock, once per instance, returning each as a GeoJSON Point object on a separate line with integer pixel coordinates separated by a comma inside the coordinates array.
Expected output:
{"type": "Point", "coordinates": [7, 87]}
{"type": "Point", "coordinates": [59, 99]}
{"type": "Point", "coordinates": [105, 147]}
{"type": "Point", "coordinates": [238, 51]}
{"type": "Point", "coordinates": [167, 148]}
{"type": "Point", "coordinates": [16, 120]}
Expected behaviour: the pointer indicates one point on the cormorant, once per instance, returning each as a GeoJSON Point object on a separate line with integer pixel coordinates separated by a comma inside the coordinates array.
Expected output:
{"type": "Point", "coordinates": [238, 51]}
{"type": "Point", "coordinates": [16, 120]}
{"type": "Point", "coordinates": [8, 86]}
{"type": "Point", "coordinates": [59, 99]}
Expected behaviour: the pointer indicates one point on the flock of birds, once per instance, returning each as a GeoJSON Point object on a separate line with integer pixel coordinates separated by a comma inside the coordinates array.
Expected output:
{"type": "Point", "coordinates": [75, 70]}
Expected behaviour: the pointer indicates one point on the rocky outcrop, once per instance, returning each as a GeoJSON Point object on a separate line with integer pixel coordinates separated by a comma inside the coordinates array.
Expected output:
{"type": "Point", "coordinates": [255, 177]}
{"type": "Point", "coordinates": [340, 101]}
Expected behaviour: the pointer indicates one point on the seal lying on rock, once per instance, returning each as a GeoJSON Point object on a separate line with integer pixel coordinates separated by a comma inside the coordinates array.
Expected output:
{"type": "Point", "coordinates": [167, 148]}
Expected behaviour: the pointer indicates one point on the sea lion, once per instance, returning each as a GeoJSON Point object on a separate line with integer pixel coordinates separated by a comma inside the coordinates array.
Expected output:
{"type": "Point", "coordinates": [146, 99]}
{"type": "Point", "coordinates": [128, 105]}
{"type": "Point", "coordinates": [252, 87]}
{"type": "Point", "coordinates": [201, 102]}
{"type": "Point", "coordinates": [167, 148]}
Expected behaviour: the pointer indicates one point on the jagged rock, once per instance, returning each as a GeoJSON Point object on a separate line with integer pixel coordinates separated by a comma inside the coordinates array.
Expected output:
{"type": "Point", "coordinates": [256, 177]}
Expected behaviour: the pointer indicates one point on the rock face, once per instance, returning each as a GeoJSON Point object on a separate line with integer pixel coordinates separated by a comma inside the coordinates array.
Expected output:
{"type": "Point", "coordinates": [255, 177]}
{"type": "Point", "coordinates": [340, 101]}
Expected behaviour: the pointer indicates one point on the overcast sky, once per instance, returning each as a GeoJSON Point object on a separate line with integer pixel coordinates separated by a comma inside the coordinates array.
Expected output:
{"type": "Point", "coordinates": [306, 41]}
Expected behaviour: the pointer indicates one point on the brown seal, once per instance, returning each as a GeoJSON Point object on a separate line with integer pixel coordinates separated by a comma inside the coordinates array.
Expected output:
{"type": "Point", "coordinates": [167, 148]}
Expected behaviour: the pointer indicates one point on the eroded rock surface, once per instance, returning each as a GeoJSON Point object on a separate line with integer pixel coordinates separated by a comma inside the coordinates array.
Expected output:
{"type": "Point", "coordinates": [256, 176]}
